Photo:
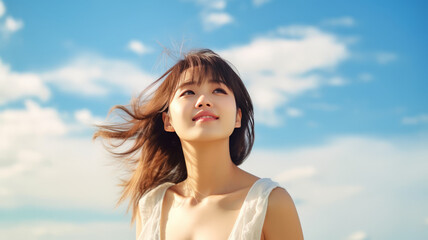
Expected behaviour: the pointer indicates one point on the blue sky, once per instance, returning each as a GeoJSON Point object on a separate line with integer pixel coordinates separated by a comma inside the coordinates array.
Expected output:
{"type": "Point", "coordinates": [339, 90]}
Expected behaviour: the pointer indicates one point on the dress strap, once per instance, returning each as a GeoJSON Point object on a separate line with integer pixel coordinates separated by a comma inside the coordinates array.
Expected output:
{"type": "Point", "coordinates": [250, 221]}
{"type": "Point", "coordinates": [150, 207]}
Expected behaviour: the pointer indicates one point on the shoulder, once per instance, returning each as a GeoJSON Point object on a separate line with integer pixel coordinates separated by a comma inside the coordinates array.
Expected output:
{"type": "Point", "coordinates": [279, 198]}
{"type": "Point", "coordinates": [282, 220]}
{"type": "Point", "coordinates": [153, 195]}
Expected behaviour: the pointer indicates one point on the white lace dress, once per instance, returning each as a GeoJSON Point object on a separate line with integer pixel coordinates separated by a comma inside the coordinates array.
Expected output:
{"type": "Point", "coordinates": [248, 225]}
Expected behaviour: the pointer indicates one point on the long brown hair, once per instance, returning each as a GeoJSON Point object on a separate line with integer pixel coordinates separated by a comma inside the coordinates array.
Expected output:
{"type": "Point", "coordinates": [155, 156]}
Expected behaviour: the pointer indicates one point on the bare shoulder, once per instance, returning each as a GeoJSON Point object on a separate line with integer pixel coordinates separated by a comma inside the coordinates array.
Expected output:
{"type": "Point", "coordinates": [282, 220]}
{"type": "Point", "coordinates": [279, 199]}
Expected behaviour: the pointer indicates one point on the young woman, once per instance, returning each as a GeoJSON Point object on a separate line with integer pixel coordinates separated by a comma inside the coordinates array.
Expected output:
{"type": "Point", "coordinates": [187, 139]}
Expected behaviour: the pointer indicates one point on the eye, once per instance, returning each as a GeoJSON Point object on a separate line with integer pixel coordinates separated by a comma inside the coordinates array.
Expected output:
{"type": "Point", "coordinates": [220, 90]}
{"type": "Point", "coordinates": [188, 92]}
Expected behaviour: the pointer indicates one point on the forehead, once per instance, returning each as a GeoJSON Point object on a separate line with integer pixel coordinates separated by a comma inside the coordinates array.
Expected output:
{"type": "Point", "coordinates": [199, 75]}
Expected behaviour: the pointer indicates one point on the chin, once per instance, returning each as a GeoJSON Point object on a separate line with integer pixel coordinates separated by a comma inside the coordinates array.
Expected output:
{"type": "Point", "coordinates": [205, 134]}
{"type": "Point", "coordinates": [206, 137]}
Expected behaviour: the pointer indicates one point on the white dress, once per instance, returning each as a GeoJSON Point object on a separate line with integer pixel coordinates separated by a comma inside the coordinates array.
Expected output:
{"type": "Point", "coordinates": [248, 225]}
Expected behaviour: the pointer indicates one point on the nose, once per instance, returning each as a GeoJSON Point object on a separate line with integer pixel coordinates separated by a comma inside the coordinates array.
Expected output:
{"type": "Point", "coordinates": [203, 101]}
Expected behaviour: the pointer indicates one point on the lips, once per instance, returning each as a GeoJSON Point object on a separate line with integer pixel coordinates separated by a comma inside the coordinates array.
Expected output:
{"type": "Point", "coordinates": [204, 115]}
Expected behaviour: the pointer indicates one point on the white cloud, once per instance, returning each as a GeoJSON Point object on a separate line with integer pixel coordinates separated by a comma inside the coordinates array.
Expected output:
{"type": "Point", "coordinates": [83, 75]}
{"type": "Point", "coordinates": [38, 161]}
{"type": "Point", "coordinates": [360, 235]}
{"type": "Point", "coordinates": [41, 166]}
{"type": "Point", "coordinates": [94, 75]}
{"type": "Point", "coordinates": [358, 178]}
{"type": "Point", "coordinates": [295, 174]}
{"type": "Point", "coordinates": [2, 9]}
{"type": "Point", "coordinates": [213, 15]}
{"type": "Point", "coordinates": [343, 21]}
{"type": "Point", "coordinates": [43, 230]}
{"type": "Point", "coordinates": [420, 119]}
{"type": "Point", "coordinates": [14, 85]}
{"type": "Point", "coordinates": [294, 112]}
{"type": "Point", "coordinates": [12, 25]}
{"type": "Point", "coordinates": [219, 4]}
{"type": "Point", "coordinates": [212, 4]}
{"type": "Point", "coordinates": [214, 20]}
{"type": "Point", "coordinates": [385, 57]}
{"type": "Point", "coordinates": [336, 81]}
{"type": "Point", "coordinates": [21, 129]}
{"type": "Point", "coordinates": [26, 160]}
{"type": "Point", "coordinates": [85, 117]}
{"type": "Point", "coordinates": [138, 47]}
{"type": "Point", "coordinates": [286, 64]}
{"type": "Point", "coordinates": [258, 3]}
{"type": "Point", "coordinates": [31, 121]}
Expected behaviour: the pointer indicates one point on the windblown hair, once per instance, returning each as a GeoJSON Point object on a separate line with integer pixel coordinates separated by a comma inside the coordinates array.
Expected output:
{"type": "Point", "coordinates": [155, 156]}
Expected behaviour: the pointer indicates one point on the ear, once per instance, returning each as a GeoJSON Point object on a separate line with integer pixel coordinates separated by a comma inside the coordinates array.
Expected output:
{"type": "Point", "coordinates": [167, 122]}
{"type": "Point", "coordinates": [238, 118]}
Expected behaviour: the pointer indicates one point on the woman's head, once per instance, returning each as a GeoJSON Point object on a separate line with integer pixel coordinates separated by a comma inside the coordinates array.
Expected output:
{"type": "Point", "coordinates": [205, 68]}
{"type": "Point", "coordinates": [200, 112]}
{"type": "Point", "coordinates": [155, 155]}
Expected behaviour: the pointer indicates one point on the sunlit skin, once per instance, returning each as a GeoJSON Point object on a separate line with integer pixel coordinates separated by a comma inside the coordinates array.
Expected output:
{"type": "Point", "coordinates": [217, 186]}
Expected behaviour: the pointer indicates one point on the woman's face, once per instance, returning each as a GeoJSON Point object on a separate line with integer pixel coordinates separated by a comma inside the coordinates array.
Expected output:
{"type": "Point", "coordinates": [202, 113]}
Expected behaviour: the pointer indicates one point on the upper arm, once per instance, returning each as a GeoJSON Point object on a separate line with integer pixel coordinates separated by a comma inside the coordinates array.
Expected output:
{"type": "Point", "coordinates": [137, 224]}
{"type": "Point", "coordinates": [282, 220]}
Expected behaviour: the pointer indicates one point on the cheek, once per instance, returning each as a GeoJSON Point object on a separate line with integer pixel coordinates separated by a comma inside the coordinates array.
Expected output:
{"type": "Point", "coordinates": [177, 111]}
{"type": "Point", "coordinates": [231, 110]}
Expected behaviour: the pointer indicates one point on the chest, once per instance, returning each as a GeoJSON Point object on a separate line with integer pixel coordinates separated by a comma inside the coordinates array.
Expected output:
{"type": "Point", "coordinates": [214, 219]}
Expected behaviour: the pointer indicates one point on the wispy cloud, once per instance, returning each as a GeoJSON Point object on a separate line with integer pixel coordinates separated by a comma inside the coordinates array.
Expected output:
{"type": "Point", "coordinates": [294, 112]}
{"type": "Point", "coordinates": [358, 171]}
{"type": "Point", "coordinates": [12, 25]}
{"type": "Point", "coordinates": [385, 57]}
{"type": "Point", "coordinates": [40, 160]}
{"type": "Point", "coordinates": [2, 8]}
{"type": "Point", "coordinates": [211, 4]}
{"type": "Point", "coordinates": [20, 130]}
{"type": "Point", "coordinates": [138, 47]}
{"type": "Point", "coordinates": [360, 235]}
{"type": "Point", "coordinates": [258, 3]}
{"type": "Point", "coordinates": [31, 121]}
{"type": "Point", "coordinates": [9, 25]}
{"type": "Point", "coordinates": [26, 161]}
{"type": "Point", "coordinates": [336, 81]}
{"type": "Point", "coordinates": [342, 21]}
{"type": "Point", "coordinates": [16, 85]}
{"type": "Point", "coordinates": [99, 75]}
{"type": "Point", "coordinates": [420, 119]}
{"type": "Point", "coordinates": [43, 230]}
{"type": "Point", "coordinates": [214, 20]}
{"type": "Point", "coordinates": [295, 174]}
{"type": "Point", "coordinates": [213, 14]}
{"type": "Point", "coordinates": [85, 117]}
{"type": "Point", "coordinates": [286, 64]}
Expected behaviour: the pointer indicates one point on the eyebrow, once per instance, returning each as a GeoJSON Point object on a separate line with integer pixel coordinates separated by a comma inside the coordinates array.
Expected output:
{"type": "Point", "coordinates": [190, 83]}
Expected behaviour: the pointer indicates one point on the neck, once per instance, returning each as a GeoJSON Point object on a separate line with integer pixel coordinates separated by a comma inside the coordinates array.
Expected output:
{"type": "Point", "coordinates": [209, 167]}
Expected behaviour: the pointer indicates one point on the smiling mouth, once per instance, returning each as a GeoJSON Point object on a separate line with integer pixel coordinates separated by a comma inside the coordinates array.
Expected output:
{"type": "Point", "coordinates": [205, 118]}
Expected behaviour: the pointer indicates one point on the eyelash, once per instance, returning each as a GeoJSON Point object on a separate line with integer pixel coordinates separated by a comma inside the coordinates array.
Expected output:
{"type": "Point", "coordinates": [221, 89]}
{"type": "Point", "coordinates": [190, 91]}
